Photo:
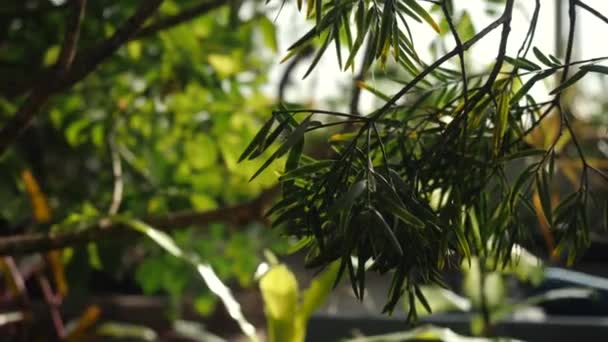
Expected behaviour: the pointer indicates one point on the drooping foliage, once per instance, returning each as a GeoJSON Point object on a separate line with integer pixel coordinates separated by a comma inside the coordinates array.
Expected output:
{"type": "Point", "coordinates": [448, 166]}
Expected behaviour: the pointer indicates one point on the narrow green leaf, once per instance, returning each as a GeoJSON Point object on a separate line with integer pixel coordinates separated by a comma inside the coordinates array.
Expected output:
{"type": "Point", "coordinates": [299, 245]}
{"type": "Point", "coordinates": [542, 58]}
{"type": "Point", "coordinates": [422, 299]}
{"type": "Point", "coordinates": [392, 202]}
{"type": "Point", "coordinates": [402, 213]}
{"type": "Point", "coordinates": [347, 30]}
{"type": "Point", "coordinates": [577, 76]}
{"type": "Point", "coordinates": [462, 240]}
{"type": "Point", "coordinates": [291, 140]}
{"type": "Point", "coordinates": [336, 35]}
{"type": "Point", "coordinates": [349, 197]}
{"type": "Point", "coordinates": [413, 4]}
{"type": "Point", "coordinates": [291, 214]}
{"type": "Point", "coordinates": [303, 40]}
{"type": "Point", "coordinates": [563, 208]}
{"type": "Point", "coordinates": [318, 55]}
{"type": "Point", "coordinates": [555, 60]}
{"type": "Point", "coordinates": [318, 13]}
{"type": "Point", "coordinates": [606, 215]}
{"type": "Point", "coordinates": [315, 225]}
{"type": "Point", "coordinates": [361, 259]}
{"type": "Point", "coordinates": [363, 85]}
{"type": "Point", "coordinates": [284, 203]}
{"type": "Point", "coordinates": [523, 63]}
{"type": "Point", "coordinates": [528, 85]}
{"type": "Point", "coordinates": [293, 158]}
{"type": "Point", "coordinates": [388, 231]}
{"type": "Point", "coordinates": [307, 170]}
{"type": "Point", "coordinates": [388, 16]}
{"type": "Point", "coordinates": [353, 276]}
{"type": "Point", "coordinates": [602, 69]}
{"type": "Point", "coordinates": [542, 185]}
{"type": "Point", "coordinates": [269, 140]}
{"type": "Point", "coordinates": [258, 140]}
{"type": "Point", "coordinates": [525, 153]}
{"type": "Point", "coordinates": [502, 120]}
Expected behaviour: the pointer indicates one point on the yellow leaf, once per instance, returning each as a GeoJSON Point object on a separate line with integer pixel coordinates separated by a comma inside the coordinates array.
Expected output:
{"type": "Point", "coordinates": [55, 261]}
{"type": "Point", "coordinates": [42, 211]}
{"type": "Point", "coordinates": [89, 318]}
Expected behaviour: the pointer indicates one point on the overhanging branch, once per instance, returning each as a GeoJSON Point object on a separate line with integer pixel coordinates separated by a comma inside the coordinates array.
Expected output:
{"type": "Point", "coordinates": [60, 79]}
{"type": "Point", "coordinates": [205, 7]}
{"type": "Point", "coordinates": [104, 228]}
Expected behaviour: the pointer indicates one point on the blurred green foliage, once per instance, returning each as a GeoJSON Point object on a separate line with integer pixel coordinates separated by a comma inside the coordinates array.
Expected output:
{"type": "Point", "coordinates": [176, 107]}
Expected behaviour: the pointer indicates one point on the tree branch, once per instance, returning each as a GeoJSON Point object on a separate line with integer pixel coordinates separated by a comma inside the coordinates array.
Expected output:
{"type": "Point", "coordinates": [14, 90]}
{"type": "Point", "coordinates": [25, 12]}
{"type": "Point", "coordinates": [57, 80]}
{"type": "Point", "coordinates": [103, 228]}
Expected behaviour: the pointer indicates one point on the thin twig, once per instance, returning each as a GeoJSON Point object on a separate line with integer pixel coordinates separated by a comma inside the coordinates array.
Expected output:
{"type": "Point", "coordinates": [72, 34]}
{"type": "Point", "coordinates": [53, 303]}
{"type": "Point", "coordinates": [117, 191]}
{"type": "Point", "coordinates": [592, 11]}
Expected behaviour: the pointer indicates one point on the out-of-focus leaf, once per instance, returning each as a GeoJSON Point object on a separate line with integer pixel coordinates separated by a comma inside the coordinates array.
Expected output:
{"type": "Point", "coordinates": [10, 317]}
{"type": "Point", "coordinates": [205, 271]}
{"type": "Point", "coordinates": [428, 333]}
{"type": "Point", "coordinates": [494, 289]}
{"type": "Point", "coordinates": [120, 330]}
{"type": "Point", "coordinates": [225, 65]}
{"type": "Point", "coordinates": [134, 49]}
{"type": "Point", "coordinates": [318, 291]}
{"type": "Point", "coordinates": [195, 331]}
{"type": "Point", "coordinates": [40, 206]}
{"type": "Point", "coordinates": [441, 300]}
{"type": "Point", "coordinates": [51, 55]}
{"type": "Point", "coordinates": [551, 295]}
{"type": "Point", "coordinates": [466, 28]}
{"type": "Point", "coordinates": [55, 261]}
{"type": "Point", "coordinates": [76, 331]}
{"type": "Point", "coordinates": [525, 266]}
{"type": "Point", "coordinates": [268, 30]}
{"type": "Point", "coordinates": [280, 293]}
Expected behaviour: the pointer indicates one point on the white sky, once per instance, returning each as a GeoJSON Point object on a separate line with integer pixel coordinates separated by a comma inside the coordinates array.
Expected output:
{"type": "Point", "coordinates": [327, 81]}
